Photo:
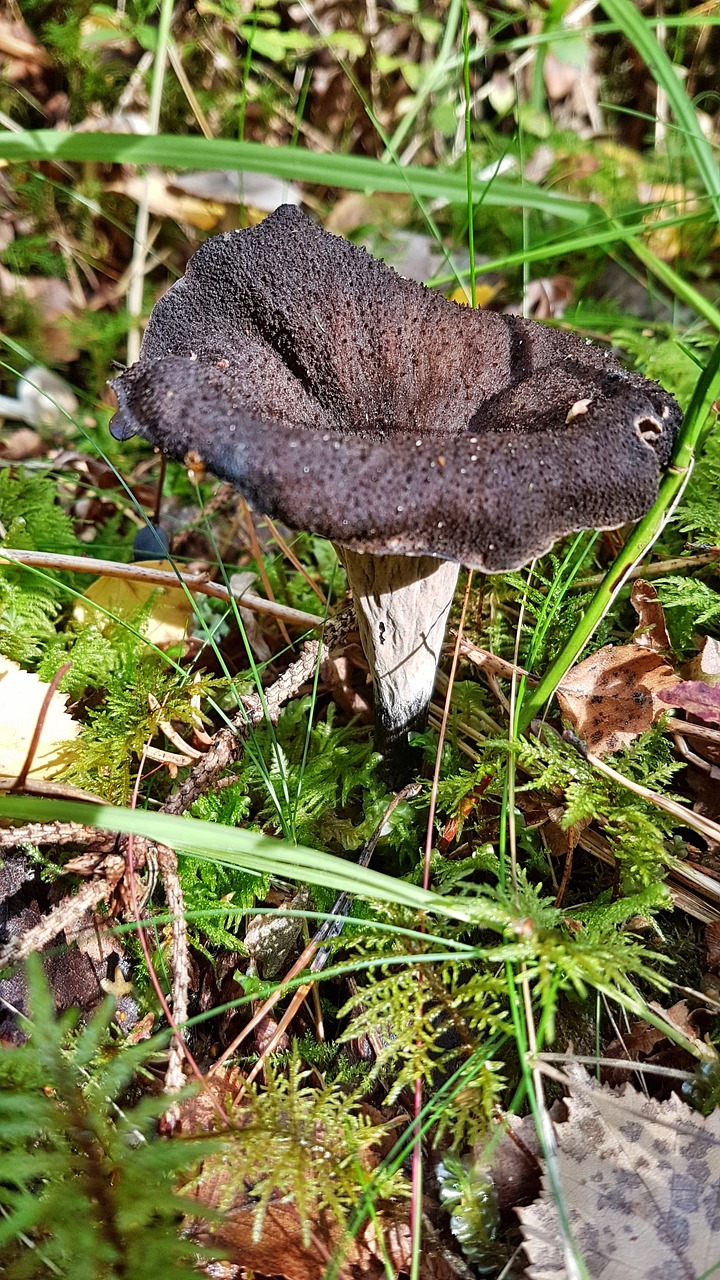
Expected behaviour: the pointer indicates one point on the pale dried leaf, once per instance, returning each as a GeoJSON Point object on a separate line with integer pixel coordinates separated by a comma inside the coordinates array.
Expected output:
{"type": "Point", "coordinates": [21, 700]}
{"type": "Point", "coordinates": [171, 611]}
{"type": "Point", "coordinates": [651, 631]}
{"type": "Point", "coordinates": [706, 665]}
{"type": "Point", "coordinates": [164, 203]}
{"type": "Point", "coordinates": [641, 1185]}
{"type": "Point", "coordinates": [613, 696]}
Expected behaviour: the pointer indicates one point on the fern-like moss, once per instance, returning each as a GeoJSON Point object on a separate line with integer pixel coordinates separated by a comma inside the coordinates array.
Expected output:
{"type": "Point", "coordinates": [86, 1188]}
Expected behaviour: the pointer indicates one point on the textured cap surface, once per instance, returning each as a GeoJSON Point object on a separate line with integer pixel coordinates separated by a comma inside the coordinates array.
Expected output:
{"type": "Point", "coordinates": [353, 403]}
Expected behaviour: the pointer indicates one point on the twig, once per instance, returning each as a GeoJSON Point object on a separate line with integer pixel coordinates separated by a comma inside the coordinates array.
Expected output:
{"type": "Point", "coordinates": [50, 692]}
{"type": "Point", "coordinates": [160, 578]}
{"type": "Point", "coordinates": [142, 222]}
{"type": "Point", "coordinates": [42, 833]}
{"type": "Point", "coordinates": [696, 821]}
{"type": "Point", "coordinates": [66, 914]}
{"type": "Point", "coordinates": [675, 564]}
{"type": "Point", "coordinates": [228, 743]}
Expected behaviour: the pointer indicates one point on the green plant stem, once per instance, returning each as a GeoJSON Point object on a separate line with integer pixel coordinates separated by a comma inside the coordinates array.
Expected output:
{"type": "Point", "coordinates": [637, 545]}
{"type": "Point", "coordinates": [468, 149]}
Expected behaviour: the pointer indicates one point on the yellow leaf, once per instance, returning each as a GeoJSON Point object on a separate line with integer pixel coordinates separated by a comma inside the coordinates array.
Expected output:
{"type": "Point", "coordinates": [171, 612]}
{"type": "Point", "coordinates": [21, 699]}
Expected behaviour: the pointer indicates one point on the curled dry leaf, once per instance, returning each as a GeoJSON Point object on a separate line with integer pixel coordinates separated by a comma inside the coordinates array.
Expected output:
{"type": "Point", "coordinates": [21, 699]}
{"type": "Point", "coordinates": [641, 1185]}
{"type": "Point", "coordinates": [615, 695]}
{"type": "Point", "coordinates": [651, 631]}
{"type": "Point", "coordinates": [695, 697]}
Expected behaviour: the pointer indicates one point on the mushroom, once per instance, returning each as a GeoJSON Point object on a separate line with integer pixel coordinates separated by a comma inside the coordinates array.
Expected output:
{"type": "Point", "coordinates": [415, 433]}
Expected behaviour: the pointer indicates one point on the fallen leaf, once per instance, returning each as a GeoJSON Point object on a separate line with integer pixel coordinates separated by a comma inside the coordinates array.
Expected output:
{"type": "Point", "coordinates": [646, 1043]}
{"type": "Point", "coordinates": [21, 444]}
{"type": "Point", "coordinates": [54, 303]}
{"type": "Point", "coordinates": [21, 699]}
{"type": "Point", "coordinates": [280, 1250]}
{"type": "Point", "coordinates": [651, 631]}
{"type": "Point", "coordinates": [695, 697]}
{"type": "Point", "coordinates": [615, 695]}
{"type": "Point", "coordinates": [706, 664]}
{"type": "Point", "coordinates": [171, 611]}
{"type": "Point", "coordinates": [163, 203]}
{"type": "Point", "coordinates": [641, 1188]}
{"type": "Point", "coordinates": [260, 191]}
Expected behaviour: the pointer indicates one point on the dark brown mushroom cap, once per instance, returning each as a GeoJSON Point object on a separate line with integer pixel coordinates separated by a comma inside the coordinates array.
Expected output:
{"type": "Point", "coordinates": [353, 403]}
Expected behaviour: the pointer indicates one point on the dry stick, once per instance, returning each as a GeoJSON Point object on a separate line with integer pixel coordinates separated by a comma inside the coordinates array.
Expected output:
{"type": "Point", "coordinates": [655, 570]}
{"type": "Point", "coordinates": [66, 914]}
{"type": "Point", "coordinates": [178, 1038]}
{"type": "Point", "coordinates": [160, 578]}
{"type": "Point", "coordinates": [705, 826]}
{"type": "Point", "coordinates": [315, 954]}
{"type": "Point", "coordinates": [142, 222]}
{"type": "Point", "coordinates": [56, 833]}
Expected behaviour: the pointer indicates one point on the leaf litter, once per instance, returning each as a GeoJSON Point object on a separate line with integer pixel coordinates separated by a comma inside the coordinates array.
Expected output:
{"type": "Point", "coordinates": [641, 1188]}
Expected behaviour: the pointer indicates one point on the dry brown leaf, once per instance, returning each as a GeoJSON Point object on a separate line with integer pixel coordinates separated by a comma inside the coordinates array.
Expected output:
{"type": "Point", "coordinates": [280, 1250]}
{"type": "Point", "coordinates": [21, 700]}
{"type": "Point", "coordinates": [171, 612]}
{"type": "Point", "coordinates": [641, 1185]}
{"type": "Point", "coordinates": [651, 631]}
{"type": "Point", "coordinates": [612, 696]}
{"type": "Point", "coordinates": [54, 303]}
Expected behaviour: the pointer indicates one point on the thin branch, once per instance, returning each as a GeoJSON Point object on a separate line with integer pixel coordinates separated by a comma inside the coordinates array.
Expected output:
{"type": "Point", "coordinates": [160, 578]}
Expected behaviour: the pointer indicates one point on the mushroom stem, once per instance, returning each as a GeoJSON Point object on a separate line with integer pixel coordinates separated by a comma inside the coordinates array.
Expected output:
{"type": "Point", "coordinates": [402, 605]}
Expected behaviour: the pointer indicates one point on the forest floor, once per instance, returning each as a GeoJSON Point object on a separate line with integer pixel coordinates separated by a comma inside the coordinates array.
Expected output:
{"type": "Point", "coordinates": [468, 1027]}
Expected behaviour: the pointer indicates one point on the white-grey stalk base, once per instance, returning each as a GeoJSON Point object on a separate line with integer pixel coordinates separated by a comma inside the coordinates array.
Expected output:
{"type": "Point", "coordinates": [402, 605]}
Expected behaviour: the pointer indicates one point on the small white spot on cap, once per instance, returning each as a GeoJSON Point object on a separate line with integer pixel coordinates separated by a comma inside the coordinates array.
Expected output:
{"type": "Point", "coordinates": [473, 457]}
{"type": "Point", "coordinates": [578, 408]}
{"type": "Point", "coordinates": [400, 508]}
{"type": "Point", "coordinates": [305, 470]}
{"type": "Point", "coordinates": [418, 443]}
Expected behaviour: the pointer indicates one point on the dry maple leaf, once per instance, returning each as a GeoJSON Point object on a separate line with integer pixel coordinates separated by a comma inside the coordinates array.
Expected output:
{"type": "Point", "coordinates": [613, 696]}
{"type": "Point", "coordinates": [641, 1184]}
{"type": "Point", "coordinates": [21, 700]}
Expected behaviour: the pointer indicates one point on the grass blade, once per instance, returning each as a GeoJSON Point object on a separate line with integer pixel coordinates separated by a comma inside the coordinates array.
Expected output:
{"type": "Point", "coordinates": [354, 173]}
